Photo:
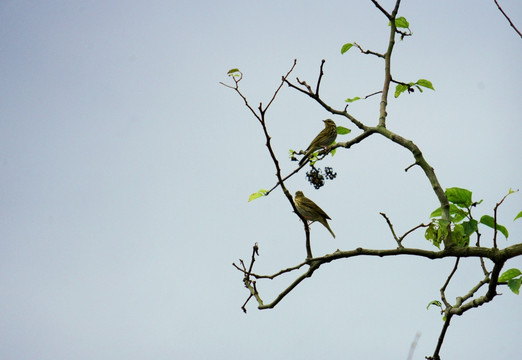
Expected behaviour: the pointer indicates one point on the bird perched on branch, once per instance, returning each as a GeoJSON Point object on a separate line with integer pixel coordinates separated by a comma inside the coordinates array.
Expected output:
{"type": "Point", "coordinates": [311, 211]}
{"type": "Point", "coordinates": [326, 137]}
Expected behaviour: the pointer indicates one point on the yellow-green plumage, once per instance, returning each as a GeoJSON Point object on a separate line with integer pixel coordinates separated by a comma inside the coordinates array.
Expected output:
{"type": "Point", "coordinates": [311, 211]}
{"type": "Point", "coordinates": [325, 138]}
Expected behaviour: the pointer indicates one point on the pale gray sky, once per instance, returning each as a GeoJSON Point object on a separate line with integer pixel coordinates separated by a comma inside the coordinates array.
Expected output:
{"type": "Point", "coordinates": [126, 169]}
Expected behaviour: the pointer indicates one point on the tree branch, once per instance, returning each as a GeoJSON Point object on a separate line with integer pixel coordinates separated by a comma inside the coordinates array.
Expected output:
{"type": "Point", "coordinates": [368, 52]}
{"type": "Point", "coordinates": [441, 338]}
{"type": "Point", "coordinates": [508, 19]}
{"type": "Point", "coordinates": [382, 9]}
{"type": "Point", "coordinates": [428, 170]}
{"type": "Point", "coordinates": [496, 255]}
{"type": "Point", "coordinates": [495, 216]}
{"type": "Point", "coordinates": [443, 288]}
{"type": "Point", "coordinates": [316, 97]}
{"type": "Point", "coordinates": [261, 118]}
{"type": "Point", "coordinates": [399, 239]}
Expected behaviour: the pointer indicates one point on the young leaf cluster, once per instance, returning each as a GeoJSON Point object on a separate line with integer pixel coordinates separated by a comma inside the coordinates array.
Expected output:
{"type": "Point", "coordinates": [400, 88]}
{"type": "Point", "coordinates": [461, 221]}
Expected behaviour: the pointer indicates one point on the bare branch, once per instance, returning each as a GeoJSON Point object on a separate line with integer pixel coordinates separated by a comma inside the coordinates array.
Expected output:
{"type": "Point", "coordinates": [321, 73]}
{"type": "Point", "coordinates": [399, 240]}
{"type": "Point", "coordinates": [459, 308]}
{"type": "Point", "coordinates": [436, 355]}
{"type": "Point", "coordinates": [391, 229]}
{"type": "Point", "coordinates": [508, 19]}
{"type": "Point", "coordinates": [314, 96]}
{"type": "Point", "coordinates": [250, 285]}
{"type": "Point", "coordinates": [495, 216]}
{"type": "Point", "coordinates": [382, 9]}
{"type": "Point", "coordinates": [443, 288]}
{"type": "Point", "coordinates": [281, 272]}
{"type": "Point", "coordinates": [280, 86]}
{"type": "Point", "coordinates": [314, 266]}
{"type": "Point", "coordinates": [498, 256]}
{"type": "Point", "coordinates": [368, 52]}
{"type": "Point", "coordinates": [412, 230]}
{"type": "Point", "coordinates": [372, 94]}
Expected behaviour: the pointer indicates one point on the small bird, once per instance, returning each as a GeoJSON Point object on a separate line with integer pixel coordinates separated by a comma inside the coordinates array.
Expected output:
{"type": "Point", "coordinates": [310, 211]}
{"type": "Point", "coordinates": [326, 137]}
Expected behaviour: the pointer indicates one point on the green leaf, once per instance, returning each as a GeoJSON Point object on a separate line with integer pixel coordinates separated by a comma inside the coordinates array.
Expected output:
{"type": "Point", "coordinates": [399, 89]}
{"type": "Point", "coordinates": [343, 131]}
{"type": "Point", "coordinates": [509, 274]}
{"type": "Point", "coordinates": [401, 22]}
{"type": "Point", "coordinates": [458, 196]}
{"type": "Point", "coordinates": [432, 234]}
{"type": "Point", "coordinates": [425, 83]}
{"type": "Point", "coordinates": [518, 216]}
{"type": "Point", "coordinates": [442, 231]}
{"type": "Point", "coordinates": [514, 285]}
{"type": "Point", "coordinates": [346, 47]}
{"type": "Point", "coordinates": [352, 99]}
{"type": "Point", "coordinates": [258, 194]}
{"type": "Point", "coordinates": [435, 303]}
{"type": "Point", "coordinates": [461, 239]}
{"type": "Point", "coordinates": [490, 221]}
{"type": "Point", "coordinates": [459, 214]}
{"type": "Point", "coordinates": [470, 227]}
{"type": "Point", "coordinates": [231, 71]}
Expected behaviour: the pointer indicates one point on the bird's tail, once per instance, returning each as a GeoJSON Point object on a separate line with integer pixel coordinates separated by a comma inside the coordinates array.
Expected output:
{"type": "Point", "coordinates": [326, 225]}
{"type": "Point", "coordinates": [305, 157]}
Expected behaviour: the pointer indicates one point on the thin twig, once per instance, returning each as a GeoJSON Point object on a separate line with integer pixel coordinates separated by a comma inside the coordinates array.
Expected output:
{"type": "Point", "coordinates": [391, 229]}
{"type": "Point", "coordinates": [409, 167]}
{"type": "Point", "coordinates": [382, 9]}
{"type": "Point", "coordinates": [280, 85]}
{"type": "Point", "coordinates": [443, 288]}
{"type": "Point", "coordinates": [412, 230]}
{"type": "Point", "coordinates": [321, 73]}
{"type": "Point", "coordinates": [470, 217]}
{"type": "Point", "coordinates": [328, 108]}
{"type": "Point", "coordinates": [368, 52]}
{"type": "Point", "coordinates": [508, 19]}
{"type": "Point", "coordinates": [372, 94]}
{"type": "Point", "coordinates": [495, 216]}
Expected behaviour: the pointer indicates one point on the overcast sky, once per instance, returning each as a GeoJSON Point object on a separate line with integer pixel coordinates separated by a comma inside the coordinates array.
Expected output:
{"type": "Point", "coordinates": [126, 169]}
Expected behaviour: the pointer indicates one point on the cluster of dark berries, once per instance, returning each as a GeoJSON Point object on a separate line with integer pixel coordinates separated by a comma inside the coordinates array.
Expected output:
{"type": "Point", "coordinates": [316, 178]}
{"type": "Point", "coordinates": [330, 175]}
